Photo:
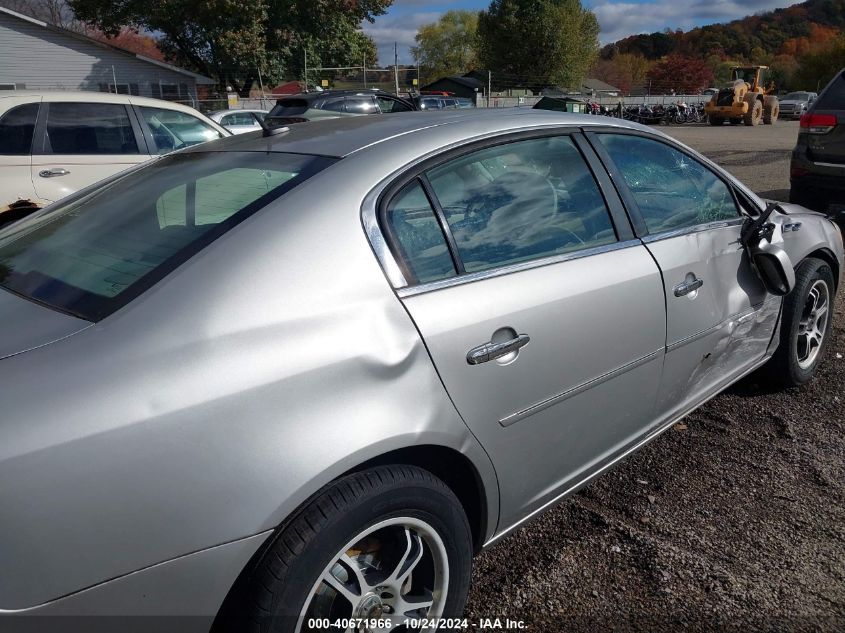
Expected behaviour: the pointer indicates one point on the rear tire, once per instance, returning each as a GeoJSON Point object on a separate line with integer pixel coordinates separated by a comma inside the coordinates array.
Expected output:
{"type": "Point", "coordinates": [805, 327]}
{"type": "Point", "coordinates": [371, 545]}
{"type": "Point", "coordinates": [715, 120]}
{"type": "Point", "coordinates": [770, 115]}
{"type": "Point", "coordinates": [736, 121]}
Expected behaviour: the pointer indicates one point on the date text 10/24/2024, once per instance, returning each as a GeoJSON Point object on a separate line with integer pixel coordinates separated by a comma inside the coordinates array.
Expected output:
{"type": "Point", "coordinates": [442, 624]}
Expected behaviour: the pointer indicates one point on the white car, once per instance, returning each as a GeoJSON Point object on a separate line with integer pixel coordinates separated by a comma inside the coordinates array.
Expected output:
{"type": "Point", "coordinates": [54, 143]}
{"type": "Point", "coordinates": [239, 121]}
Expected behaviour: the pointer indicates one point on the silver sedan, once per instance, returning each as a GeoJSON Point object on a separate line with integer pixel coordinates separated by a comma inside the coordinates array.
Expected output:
{"type": "Point", "coordinates": [298, 378]}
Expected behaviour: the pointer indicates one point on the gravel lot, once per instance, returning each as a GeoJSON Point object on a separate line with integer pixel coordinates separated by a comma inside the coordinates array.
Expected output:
{"type": "Point", "coordinates": [732, 520]}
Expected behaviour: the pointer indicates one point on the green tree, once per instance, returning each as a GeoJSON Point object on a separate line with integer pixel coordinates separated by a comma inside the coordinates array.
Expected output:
{"type": "Point", "coordinates": [231, 39]}
{"type": "Point", "coordinates": [447, 47]}
{"type": "Point", "coordinates": [817, 68]}
{"type": "Point", "coordinates": [537, 43]}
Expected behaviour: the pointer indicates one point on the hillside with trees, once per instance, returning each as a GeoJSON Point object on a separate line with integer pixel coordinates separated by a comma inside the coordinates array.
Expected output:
{"type": "Point", "coordinates": [803, 44]}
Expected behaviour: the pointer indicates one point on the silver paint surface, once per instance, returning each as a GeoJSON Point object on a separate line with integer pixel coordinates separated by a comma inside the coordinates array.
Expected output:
{"type": "Point", "coordinates": [286, 353]}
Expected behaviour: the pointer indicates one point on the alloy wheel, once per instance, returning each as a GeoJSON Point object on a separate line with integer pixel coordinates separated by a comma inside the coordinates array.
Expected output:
{"type": "Point", "coordinates": [812, 326]}
{"type": "Point", "coordinates": [394, 571]}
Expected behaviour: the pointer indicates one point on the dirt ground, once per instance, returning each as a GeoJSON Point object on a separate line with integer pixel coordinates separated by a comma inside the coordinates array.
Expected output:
{"type": "Point", "coordinates": [733, 520]}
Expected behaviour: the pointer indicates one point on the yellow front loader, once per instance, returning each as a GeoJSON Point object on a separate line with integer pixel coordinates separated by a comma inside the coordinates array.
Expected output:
{"type": "Point", "coordinates": [749, 99]}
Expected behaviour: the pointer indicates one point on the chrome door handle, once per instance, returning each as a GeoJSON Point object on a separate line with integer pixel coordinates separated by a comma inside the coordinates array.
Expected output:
{"type": "Point", "coordinates": [55, 171]}
{"type": "Point", "coordinates": [686, 287]}
{"type": "Point", "coordinates": [492, 351]}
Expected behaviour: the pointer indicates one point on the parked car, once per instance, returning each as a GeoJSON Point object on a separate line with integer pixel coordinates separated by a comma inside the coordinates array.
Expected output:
{"type": "Point", "coordinates": [331, 104]}
{"type": "Point", "coordinates": [54, 143]}
{"type": "Point", "coordinates": [817, 171]}
{"type": "Point", "coordinates": [300, 378]}
{"type": "Point", "coordinates": [432, 102]}
{"type": "Point", "coordinates": [794, 104]}
{"type": "Point", "coordinates": [239, 121]}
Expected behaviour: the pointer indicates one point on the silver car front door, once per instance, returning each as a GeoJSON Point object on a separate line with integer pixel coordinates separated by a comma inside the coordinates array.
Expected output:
{"type": "Point", "coordinates": [546, 323]}
{"type": "Point", "coordinates": [720, 318]}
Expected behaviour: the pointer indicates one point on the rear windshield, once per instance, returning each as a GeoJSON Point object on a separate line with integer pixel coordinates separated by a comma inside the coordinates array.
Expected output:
{"type": "Point", "coordinates": [289, 107]}
{"type": "Point", "coordinates": [833, 97]}
{"type": "Point", "coordinates": [94, 254]}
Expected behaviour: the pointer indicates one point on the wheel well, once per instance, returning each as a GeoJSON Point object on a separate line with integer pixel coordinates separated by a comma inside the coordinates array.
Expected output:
{"type": "Point", "coordinates": [455, 470]}
{"type": "Point", "coordinates": [829, 258]}
{"type": "Point", "coordinates": [452, 467]}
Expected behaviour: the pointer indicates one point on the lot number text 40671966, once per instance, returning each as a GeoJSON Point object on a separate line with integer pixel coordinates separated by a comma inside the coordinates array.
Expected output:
{"type": "Point", "coordinates": [439, 624]}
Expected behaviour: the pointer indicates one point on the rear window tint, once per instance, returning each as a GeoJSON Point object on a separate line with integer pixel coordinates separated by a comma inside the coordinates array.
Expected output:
{"type": "Point", "coordinates": [90, 256]}
{"type": "Point", "coordinates": [289, 107]}
{"type": "Point", "coordinates": [833, 97]}
{"type": "Point", "coordinates": [16, 128]}
{"type": "Point", "coordinates": [90, 128]}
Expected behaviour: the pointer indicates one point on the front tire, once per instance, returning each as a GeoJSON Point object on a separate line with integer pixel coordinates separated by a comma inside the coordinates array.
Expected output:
{"type": "Point", "coordinates": [384, 544]}
{"type": "Point", "coordinates": [806, 325]}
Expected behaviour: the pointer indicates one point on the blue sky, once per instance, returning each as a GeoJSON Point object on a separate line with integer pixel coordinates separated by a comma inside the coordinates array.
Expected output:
{"type": "Point", "coordinates": [617, 18]}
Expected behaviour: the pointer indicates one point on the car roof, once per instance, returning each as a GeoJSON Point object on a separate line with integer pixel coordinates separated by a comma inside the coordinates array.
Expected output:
{"type": "Point", "coordinates": [99, 97]}
{"type": "Point", "coordinates": [339, 137]}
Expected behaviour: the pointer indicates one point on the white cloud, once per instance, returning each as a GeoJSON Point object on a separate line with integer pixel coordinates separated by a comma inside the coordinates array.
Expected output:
{"type": "Point", "coordinates": [620, 19]}
{"type": "Point", "coordinates": [400, 29]}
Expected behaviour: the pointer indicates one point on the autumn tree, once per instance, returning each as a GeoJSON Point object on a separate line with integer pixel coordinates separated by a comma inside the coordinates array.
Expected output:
{"type": "Point", "coordinates": [448, 46]}
{"type": "Point", "coordinates": [681, 75]}
{"type": "Point", "coordinates": [816, 69]}
{"type": "Point", "coordinates": [537, 43]}
{"type": "Point", "coordinates": [232, 39]}
{"type": "Point", "coordinates": [626, 71]}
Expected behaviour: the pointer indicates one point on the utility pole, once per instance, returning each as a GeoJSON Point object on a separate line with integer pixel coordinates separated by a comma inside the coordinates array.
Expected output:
{"type": "Point", "coordinates": [396, 66]}
{"type": "Point", "coordinates": [306, 69]}
{"type": "Point", "coordinates": [260, 82]}
{"type": "Point", "coordinates": [365, 72]}
{"type": "Point", "coordinates": [489, 85]}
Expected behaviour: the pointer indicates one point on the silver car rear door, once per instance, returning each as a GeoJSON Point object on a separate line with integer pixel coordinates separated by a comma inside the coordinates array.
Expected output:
{"type": "Point", "coordinates": [543, 316]}
{"type": "Point", "coordinates": [720, 319]}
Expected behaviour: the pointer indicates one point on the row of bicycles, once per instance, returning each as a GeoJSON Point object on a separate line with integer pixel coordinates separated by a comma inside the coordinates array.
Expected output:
{"type": "Point", "coordinates": [654, 114]}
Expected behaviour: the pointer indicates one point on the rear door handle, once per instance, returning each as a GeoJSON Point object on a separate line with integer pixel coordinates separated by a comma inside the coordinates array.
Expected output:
{"type": "Point", "coordinates": [55, 171]}
{"type": "Point", "coordinates": [491, 351]}
{"type": "Point", "coordinates": [686, 287]}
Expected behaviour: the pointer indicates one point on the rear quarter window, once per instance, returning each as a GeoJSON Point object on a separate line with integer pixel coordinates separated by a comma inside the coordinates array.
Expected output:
{"type": "Point", "coordinates": [833, 96]}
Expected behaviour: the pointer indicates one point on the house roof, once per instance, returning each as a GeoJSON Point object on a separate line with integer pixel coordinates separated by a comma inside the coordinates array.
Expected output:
{"type": "Point", "coordinates": [200, 79]}
{"type": "Point", "coordinates": [467, 82]}
{"type": "Point", "coordinates": [598, 85]}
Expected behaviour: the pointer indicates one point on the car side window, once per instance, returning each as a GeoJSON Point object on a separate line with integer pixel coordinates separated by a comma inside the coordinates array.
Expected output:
{"type": "Point", "coordinates": [521, 201]}
{"type": "Point", "coordinates": [90, 128]}
{"type": "Point", "coordinates": [173, 129]}
{"type": "Point", "coordinates": [672, 190]}
{"type": "Point", "coordinates": [16, 129]}
{"type": "Point", "coordinates": [387, 104]}
{"type": "Point", "coordinates": [361, 105]}
{"type": "Point", "coordinates": [416, 234]}
{"type": "Point", "coordinates": [238, 118]}
{"type": "Point", "coordinates": [334, 105]}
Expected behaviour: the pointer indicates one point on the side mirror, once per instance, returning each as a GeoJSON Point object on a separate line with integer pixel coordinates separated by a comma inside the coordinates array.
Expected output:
{"type": "Point", "coordinates": [763, 240]}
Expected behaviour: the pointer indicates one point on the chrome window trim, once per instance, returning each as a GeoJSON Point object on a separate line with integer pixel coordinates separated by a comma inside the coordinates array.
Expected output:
{"type": "Point", "coordinates": [369, 207]}
{"type": "Point", "coordinates": [837, 166]}
{"type": "Point", "coordinates": [688, 230]}
{"type": "Point", "coordinates": [481, 275]}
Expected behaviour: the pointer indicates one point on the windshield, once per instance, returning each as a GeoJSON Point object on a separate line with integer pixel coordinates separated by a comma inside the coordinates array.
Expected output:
{"type": "Point", "coordinates": [92, 255]}
{"type": "Point", "coordinates": [796, 96]}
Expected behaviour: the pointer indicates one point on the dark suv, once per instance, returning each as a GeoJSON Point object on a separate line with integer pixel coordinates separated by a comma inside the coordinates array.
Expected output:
{"type": "Point", "coordinates": [328, 104]}
{"type": "Point", "coordinates": [817, 173]}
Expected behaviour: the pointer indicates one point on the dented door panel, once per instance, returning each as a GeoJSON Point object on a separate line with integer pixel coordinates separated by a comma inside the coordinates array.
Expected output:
{"type": "Point", "coordinates": [718, 329]}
